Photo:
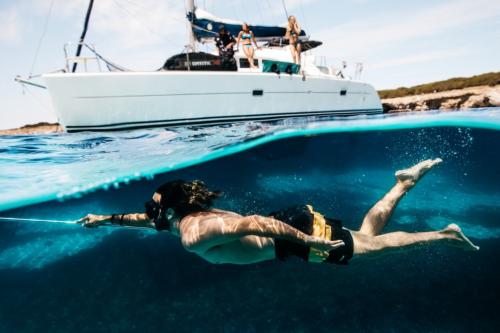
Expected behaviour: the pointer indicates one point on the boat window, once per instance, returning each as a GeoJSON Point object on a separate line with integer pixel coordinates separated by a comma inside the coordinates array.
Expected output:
{"type": "Point", "coordinates": [245, 64]}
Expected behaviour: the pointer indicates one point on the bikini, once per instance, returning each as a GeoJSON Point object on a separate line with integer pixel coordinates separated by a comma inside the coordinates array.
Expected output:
{"type": "Point", "coordinates": [248, 36]}
{"type": "Point", "coordinates": [295, 36]}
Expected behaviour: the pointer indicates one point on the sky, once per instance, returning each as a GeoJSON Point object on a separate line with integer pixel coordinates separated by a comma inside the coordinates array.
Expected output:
{"type": "Point", "coordinates": [400, 43]}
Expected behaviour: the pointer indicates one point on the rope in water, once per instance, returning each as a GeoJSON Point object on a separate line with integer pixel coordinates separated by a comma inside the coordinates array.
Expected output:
{"type": "Point", "coordinates": [74, 222]}
{"type": "Point", "coordinates": [18, 219]}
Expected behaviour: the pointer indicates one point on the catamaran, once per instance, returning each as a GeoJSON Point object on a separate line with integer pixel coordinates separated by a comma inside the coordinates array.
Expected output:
{"type": "Point", "coordinates": [197, 88]}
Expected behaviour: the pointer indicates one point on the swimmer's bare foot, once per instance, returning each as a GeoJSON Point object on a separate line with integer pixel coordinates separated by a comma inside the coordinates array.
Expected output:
{"type": "Point", "coordinates": [410, 176]}
{"type": "Point", "coordinates": [454, 233]}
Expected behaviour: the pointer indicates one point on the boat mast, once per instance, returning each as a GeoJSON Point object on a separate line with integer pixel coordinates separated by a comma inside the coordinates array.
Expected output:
{"type": "Point", "coordinates": [192, 38]}
{"type": "Point", "coordinates": [84, 32]}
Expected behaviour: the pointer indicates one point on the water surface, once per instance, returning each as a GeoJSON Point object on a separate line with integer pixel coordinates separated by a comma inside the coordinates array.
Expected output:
{"type": "Point", "coordinates": [60, 278]}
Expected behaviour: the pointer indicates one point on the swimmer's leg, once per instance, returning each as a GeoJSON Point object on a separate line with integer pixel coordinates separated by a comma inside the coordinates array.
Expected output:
{"type": "Point", "coordinates": [378, 216]}
{"type": "Point", "coordinates": [451, 235]}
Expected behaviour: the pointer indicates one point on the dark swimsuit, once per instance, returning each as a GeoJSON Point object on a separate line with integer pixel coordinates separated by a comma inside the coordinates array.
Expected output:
{"type": "Point", "coordinates": [303, 219]}
{"type": "Point", "coordinates": [296, 37]}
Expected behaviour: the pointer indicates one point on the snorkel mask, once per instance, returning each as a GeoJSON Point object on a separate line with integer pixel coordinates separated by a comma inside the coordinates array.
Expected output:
{"type": "Point", "coordinates": [172, 204]}
{"type": "Point", "coordinates": [161, 216]}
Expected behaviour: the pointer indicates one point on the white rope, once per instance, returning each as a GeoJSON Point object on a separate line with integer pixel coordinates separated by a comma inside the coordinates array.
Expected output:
{"type": "Point", "coordinates": [18, 219]}
{"type": "Point", "coordinates": [41, 38]}
{"type": "Point", "coordinates": [36, 220]}
{"type": "Point", "coordinates": [106, 61]}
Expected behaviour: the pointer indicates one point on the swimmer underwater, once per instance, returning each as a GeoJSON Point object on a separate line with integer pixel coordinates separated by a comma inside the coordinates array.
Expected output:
{"type": "Point", "coordinates": [224, 237]}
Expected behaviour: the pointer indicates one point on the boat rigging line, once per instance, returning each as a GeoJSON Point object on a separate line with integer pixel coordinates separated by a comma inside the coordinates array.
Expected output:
{"type": "Point", "coordinates": [284, 8]}
{"type": "Point", "coordinates": [145, 26]}
{"type": "Point", "coordinates": [84, 32]}
{"type": "Point", "coordinates": [44, 30]}
{"type": "Point", "coordinates": [303, 13]}
{"type": "Point", "coordinates": [112, 67]}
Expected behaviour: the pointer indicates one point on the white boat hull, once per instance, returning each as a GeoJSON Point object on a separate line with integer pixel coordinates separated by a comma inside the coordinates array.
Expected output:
{"type": "Point", "coordinates": [125, 100]}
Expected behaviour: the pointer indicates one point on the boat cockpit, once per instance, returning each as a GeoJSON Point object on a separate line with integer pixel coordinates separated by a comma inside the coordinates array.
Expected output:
{"type": "Point", "coordinates": [273, 56]}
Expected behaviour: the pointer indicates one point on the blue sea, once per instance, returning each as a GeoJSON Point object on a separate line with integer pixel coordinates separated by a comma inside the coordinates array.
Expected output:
{"type": "Point", "coordinates": [57, 277]}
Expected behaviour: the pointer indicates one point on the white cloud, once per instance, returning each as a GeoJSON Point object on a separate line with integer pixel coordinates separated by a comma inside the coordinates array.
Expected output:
{"type": "Point", "coordinates": [138, 23]}
{"type": "Point", "coordinates": [294, 4]}
{"type": "Point", "coordinates": [133, 23]}
{"type": "Point", "coordinates": [358, 37]}
{"type": "Point", "coordinates": [10, 29]}
{"type": "Point", "coordinates": [294, 7]}
{"type": "Point", "coordinates": [418, 58]}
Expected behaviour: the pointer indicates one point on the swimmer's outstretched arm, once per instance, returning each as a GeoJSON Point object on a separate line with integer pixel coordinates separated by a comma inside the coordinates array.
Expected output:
{"type": "Point", "coordinates": [131, 220]}
{"type": "Point", "coordinates": [221, 230]}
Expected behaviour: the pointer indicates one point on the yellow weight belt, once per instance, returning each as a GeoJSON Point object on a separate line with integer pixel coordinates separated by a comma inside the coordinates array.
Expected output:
{"type": "Point", "coordinates": [322, 230]}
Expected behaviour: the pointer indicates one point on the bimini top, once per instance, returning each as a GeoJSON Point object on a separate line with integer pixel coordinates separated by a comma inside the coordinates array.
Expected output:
{"type": "Point", "coordinates": [206, 26]}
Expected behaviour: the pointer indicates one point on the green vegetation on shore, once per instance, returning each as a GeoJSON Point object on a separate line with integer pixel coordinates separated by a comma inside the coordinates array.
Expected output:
{"type": "Point", "coordinates": [487, 79]}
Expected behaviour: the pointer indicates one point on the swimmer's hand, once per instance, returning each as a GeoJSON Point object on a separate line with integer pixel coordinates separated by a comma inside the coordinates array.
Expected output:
{"type": "Point", "coordinates": [323, 244]}
{"type": "Point", "coordinates": [93, 221]}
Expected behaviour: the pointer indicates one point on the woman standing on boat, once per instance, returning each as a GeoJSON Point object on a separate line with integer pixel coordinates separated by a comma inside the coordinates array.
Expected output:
{"type": "Point", "coordinates": [293, 31]}
{"type": "Point", "coordinates": [246, 37]}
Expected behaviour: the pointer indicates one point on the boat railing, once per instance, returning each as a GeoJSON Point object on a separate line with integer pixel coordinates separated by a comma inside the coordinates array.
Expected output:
{"type": "Point", "coordinates": [344, 69]}
{"type": "Point", "coordinates": [95, 58]}
{"type": "Point", "coordinates": [70, 60]}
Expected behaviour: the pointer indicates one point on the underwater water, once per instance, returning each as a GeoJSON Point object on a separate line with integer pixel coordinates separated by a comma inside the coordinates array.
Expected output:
{"type": "Point", "coordinates": [59, 277]}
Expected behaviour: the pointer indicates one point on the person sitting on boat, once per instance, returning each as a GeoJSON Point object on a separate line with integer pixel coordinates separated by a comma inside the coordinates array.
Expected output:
{"type": "Point", "coordinates": [246, 37]}
{"type": "Point", "coordinates": [220, 236]}
{"type": "Point", "coordinates": [293, 31]}
{"type": "Point", "coordinates": [225, 44]}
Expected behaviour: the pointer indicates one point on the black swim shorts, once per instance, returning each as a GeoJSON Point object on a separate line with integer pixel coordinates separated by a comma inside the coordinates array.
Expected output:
{"type": "Point", "coordinates": [301, 218]}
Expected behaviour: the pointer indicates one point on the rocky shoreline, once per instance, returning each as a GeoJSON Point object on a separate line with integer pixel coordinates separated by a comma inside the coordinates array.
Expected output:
{"type": "Point", "coordinates": [40, 128]}
{"type": "Point", "coordinates": [467, 98]}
